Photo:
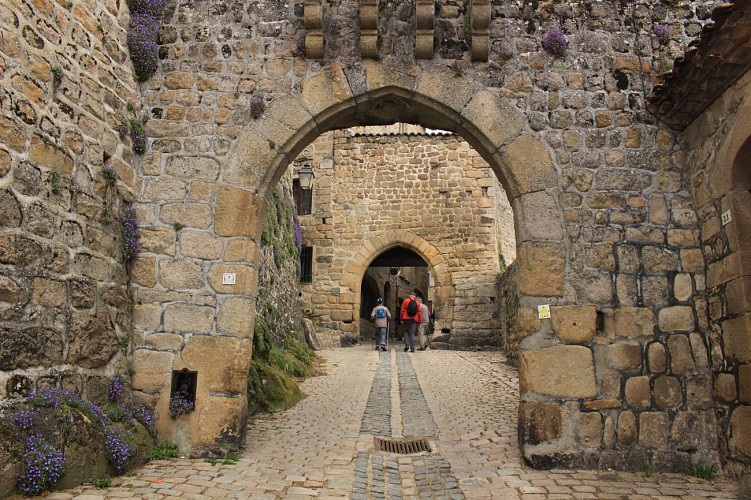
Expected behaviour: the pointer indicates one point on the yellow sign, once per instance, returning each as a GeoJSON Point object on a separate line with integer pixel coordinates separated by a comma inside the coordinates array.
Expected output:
{"type": "Point", "coordinates": [543, 311]}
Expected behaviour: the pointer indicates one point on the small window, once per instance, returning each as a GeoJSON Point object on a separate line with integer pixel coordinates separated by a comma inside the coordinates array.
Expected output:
{"type": "Point", "coordinates": [306, 265]}
{"type": "Point", "coordinates": [303, 198]}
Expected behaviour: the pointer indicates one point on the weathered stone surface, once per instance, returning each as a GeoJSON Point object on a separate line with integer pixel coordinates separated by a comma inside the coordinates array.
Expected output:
{"type": "Point", "coordinates": [200, 245]}
{"type": "Point", "coordinates": [637, 391]}
{"type": "Point", "coordinates": [235, 317]}
{"type": "Point", "coordinates": [530, 163]}
{"type": "Point", "coordinates": [629, 322]}
{"type": "Point", "coordinates": [590, 429]}
{"type": "Point", "coordinates": [574, 323]}
{"type": "Point", "coordinates": [653, 430]}
{"type": "Point", "coordinates": [532, 257]}
{"type": "Point", "coordinates": [626, 428]}
{"type": "Point", "coordinates": [152, 370]}
{"type": "Point", "coordinates": [537, 217]}
{"type": "Point", "coordinates": [10, 210]}
{"type": "Point", "coordinates": [563, 371]}
{"type": "Point", "coordinates": [158, 240]}
{"type": "Point", "coordinates": [724, 386]}
{"type": "Point", "coordinates": [668, 393]}
{"type": "Point", "coordinates": [736, 337]}
{"type": "Point", "coordinates": [246, 279]}
{"type": "Point", "coordinates": [188, 318]}
{"type": "Point", "coordinates": [676, 319]}
{"type": "Point", "coordinates": [192, 167]}
{"type": "Point", "coordinates": [25, 348]}
{"type": "Point", "coordinates": [656, 358]}
{"type": "Point", "coordinates": [539, 422]}
{"type": "Point", "coordinates": [740, 438]}
{"type": "Point", "coordinates": [93, 340]}
{"type": "Point", "coordinates": [180, 274]}
{"type": "Point", "coordinates": [624, 356]}
{"type": "Point", "coordinates": [239, 213]}
{"type": "Point", "coordinates": [165, 341]}
{"type": "Point", "coordinates": [687, 431]}
{"type": "Point", "coordinates": [681, 361]}
{"type": "Point", "coordinates": [221, 362]}
{"type": "Point", "coordinates": [744, 383]}
{"type": "Point", "coordinates": [223, 419]}
{"type": "Point", "coordinates": [739, 295]}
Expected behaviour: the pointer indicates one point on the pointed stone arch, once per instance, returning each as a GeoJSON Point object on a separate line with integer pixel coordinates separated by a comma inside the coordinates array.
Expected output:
{"type": "Point", "coordinates": [443, 299]}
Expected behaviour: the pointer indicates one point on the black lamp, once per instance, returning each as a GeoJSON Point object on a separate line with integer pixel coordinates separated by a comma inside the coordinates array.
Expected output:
{"type": "Point", "coordinates": [305, 175]}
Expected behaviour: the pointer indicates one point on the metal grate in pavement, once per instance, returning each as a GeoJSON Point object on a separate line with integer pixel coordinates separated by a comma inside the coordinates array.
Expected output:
{"type": "Point", "coordinates": [401, 446]}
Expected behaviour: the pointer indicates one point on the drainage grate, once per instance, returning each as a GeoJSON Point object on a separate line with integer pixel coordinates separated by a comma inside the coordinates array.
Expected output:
{"type": "Point", "coordinates": [402, 446]}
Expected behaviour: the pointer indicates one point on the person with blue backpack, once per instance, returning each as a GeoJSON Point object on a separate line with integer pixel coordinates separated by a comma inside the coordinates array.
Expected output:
{"type": "Point", "coordinates": [381, 316]}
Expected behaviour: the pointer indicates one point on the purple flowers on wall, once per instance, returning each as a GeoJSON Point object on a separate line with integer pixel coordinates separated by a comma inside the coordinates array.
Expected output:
{"type": "Point", "coordinates": [145, 17]}
{"type": "Point", "coordinates": [41, 466]}
{"type": "Point", "coordinates": [555, 42]}
{"type": "Point", "coordinates": [662, 33]}
{"type": "Point", "coordinates": [131, 234]}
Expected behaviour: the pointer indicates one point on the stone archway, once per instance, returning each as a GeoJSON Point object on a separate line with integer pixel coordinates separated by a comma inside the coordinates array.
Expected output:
{"type": "Point", "coordinates": [432, 96]}
{"type": "Point", "coordinates": [443, 298]}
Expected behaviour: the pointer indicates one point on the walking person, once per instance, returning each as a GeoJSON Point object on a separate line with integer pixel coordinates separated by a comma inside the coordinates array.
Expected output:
{"type": "Point", "coordinates": [422, 328]}
{"type": "Point", "coordinates": [411, 316]}
{"type": "Point", "coordinates": [381, 316]}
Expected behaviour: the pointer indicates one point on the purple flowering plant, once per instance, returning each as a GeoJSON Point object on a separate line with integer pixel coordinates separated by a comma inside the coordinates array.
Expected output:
{"type": "Point", "coordinates": [555, 42]}
{"type": "Point", "coordinates": [108, 172]}
{"type": "Point", "coordinates": [117, 448]}
{"type": "Point", "coordinates": [662, 33]}
{"type": "Point", "coordinates": [142, 37]}
{"type": "Point", "coordinates": [41, 466]}
{"type": "Point", "coordinates": [179, 406]}
{"type": "Point", "coordinates": [131, 235]}
{"type": "Point", "coordinates": [115, 389]}
{"type": "Point", "coordinates": [138, 134]}
{"type": "Point", "coordinates": [257, 107]}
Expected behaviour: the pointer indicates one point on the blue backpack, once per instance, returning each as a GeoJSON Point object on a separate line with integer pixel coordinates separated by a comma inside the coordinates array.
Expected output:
{"type": "Point", "coordinates": [380, 312]}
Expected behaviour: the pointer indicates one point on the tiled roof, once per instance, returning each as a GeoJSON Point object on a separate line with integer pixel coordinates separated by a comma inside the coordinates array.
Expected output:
{"type": "Point", "coordinates": [711, 64]}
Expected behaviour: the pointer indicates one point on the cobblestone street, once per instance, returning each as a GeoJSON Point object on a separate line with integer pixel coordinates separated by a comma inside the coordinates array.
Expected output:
{"type": "Point", "coordinates": [464, 405]}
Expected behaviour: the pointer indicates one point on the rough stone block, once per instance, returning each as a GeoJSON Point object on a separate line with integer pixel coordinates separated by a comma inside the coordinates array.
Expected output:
{"type": "Point", "coordinates": [739, 295]}
{"type": "Point", "coordinates": [200, 245]}
{"type": "Point", "coordinates": [152, 370]}
{"type": "Point", "coordinates": [667, 392]}
{"type": "Point", "coordinates": [531, 165]}
{"type": "Point", "coordinates": [246, 279]}
{"type": "Point", "coordinates": [740, 438]}
{"type": "Point", "coordinates": [738, 202]}
{"type": "Point", "coordinates": [626, 428]}
{"type": "Point", "coordinates": [653, 430]}
{"type": "Point", "coordinates": [239, 213]}
{"type": "Point", "coordinates": [92, 339]}
{"type": "Point", "coordinates": [624, 356]}
{"type": "Point", "coordinates": [638, 394]}
{"type": "Point", "coordinates": [735, 333]}
{"type": "Point", "coordinates": [191, 215]}
{"type": "Point", "coordinates": [681, 360]}
{"type": "Point", "coordinates": [590, 429]}
{"type": "Point", "coordinates": [676, 319]}
{"type": "Point", "coordinates": [235, 317]}
{"type": "Point", "coordinates": [539, 422]}
{"type": "Point", "coordinates": [540, 269]}
{"type": "Point", "coordinates": [164, 341]}
{"type": "Point", "coordinates": [656, 357]}
{"type": "Point", "coordinates": [158, 240]}
{"type": "Point", "coordinates": [628, 322]}
{"type": "Point", "coordinates": [222, 362]}
{"type": "Point", "coordinates": [744, 383]}
{"type": "Point", "coordinates": [222, 420]}
{"type": "Point", "coordinates": [687, 431]}
{"type": "Point", "coordinates": [188, 318]}
{"type": "Point", "coordinates": [561, 371]}
{"type": "Point", "coordinates": [180, 274]}
{"type": "Point", "coordinates": [574, 323]}
{"type": "Point", "coordinates": [724, 387]}
{"type": "Point", "coordinates": [147, 317]}
{"type": "Point", "coordinates": [537, 218]}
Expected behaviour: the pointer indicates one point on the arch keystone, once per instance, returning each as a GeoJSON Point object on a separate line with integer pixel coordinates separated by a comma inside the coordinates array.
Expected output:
{"type": "Point", "coordinates": [443, 86]}
{"type": "Point", "coordinates": [529, 164]}
{"type": "Point", "coordinates": [382, 74]}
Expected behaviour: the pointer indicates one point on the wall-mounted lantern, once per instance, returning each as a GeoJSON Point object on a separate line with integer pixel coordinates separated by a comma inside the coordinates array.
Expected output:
{"type": "Point", "coordinates": [305, 175]}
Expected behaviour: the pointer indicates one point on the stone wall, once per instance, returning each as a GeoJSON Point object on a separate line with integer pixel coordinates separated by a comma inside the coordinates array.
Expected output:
{"type": "Point", "coordinates": [606, 222]}
{"type": "Point", "coordinates": [66, 89]}
{"type": "Point", "coordinates": [719, 148]}
{"type": "Point", "coordinates": [433, 186]}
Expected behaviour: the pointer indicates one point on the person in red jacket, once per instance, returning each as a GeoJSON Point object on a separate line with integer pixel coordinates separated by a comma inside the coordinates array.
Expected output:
{"type": "Point", "coordinates": [410, 317]}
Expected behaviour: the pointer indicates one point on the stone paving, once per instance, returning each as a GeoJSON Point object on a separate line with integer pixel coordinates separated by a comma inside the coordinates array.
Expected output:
{"type": "Point", "coordinates": [462, 403]}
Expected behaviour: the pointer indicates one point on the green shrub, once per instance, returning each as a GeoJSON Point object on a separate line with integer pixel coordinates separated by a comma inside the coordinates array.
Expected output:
{"type": "Point", "coordinates": [165, 449]}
